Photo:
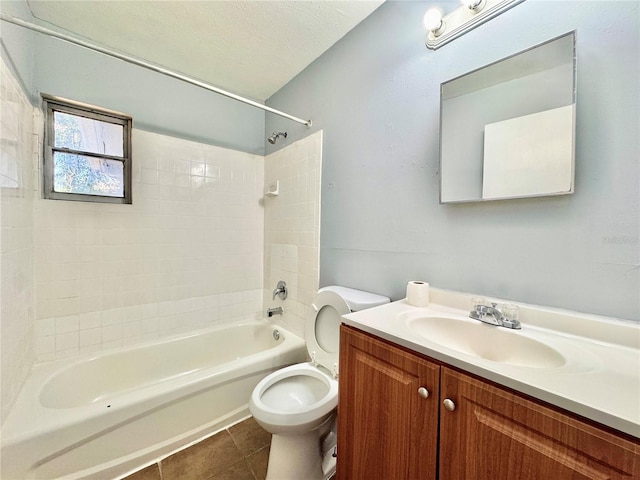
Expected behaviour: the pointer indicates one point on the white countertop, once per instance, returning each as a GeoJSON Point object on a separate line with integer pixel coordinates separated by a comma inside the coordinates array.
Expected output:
{"type": "Point", "coordinates": [600, 379]}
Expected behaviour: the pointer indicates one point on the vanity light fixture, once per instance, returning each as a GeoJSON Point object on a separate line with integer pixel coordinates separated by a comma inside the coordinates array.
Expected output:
{"type": "Point", "coordinates": [468, 16]}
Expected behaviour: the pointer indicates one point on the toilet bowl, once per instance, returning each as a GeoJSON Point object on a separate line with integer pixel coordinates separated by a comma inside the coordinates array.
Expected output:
{"type": "Point", "coordinates": [297, 404]}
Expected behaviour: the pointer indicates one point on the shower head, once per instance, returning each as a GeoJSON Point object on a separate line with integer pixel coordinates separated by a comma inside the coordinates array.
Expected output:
{"type": "Point", "coordinates": [272, 139]}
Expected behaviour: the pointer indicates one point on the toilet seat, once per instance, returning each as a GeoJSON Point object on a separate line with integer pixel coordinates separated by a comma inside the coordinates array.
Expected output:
{"type": "Point", "coordinates": [310, 414]}
{"type": "Point", "coordinates": [322, 329]}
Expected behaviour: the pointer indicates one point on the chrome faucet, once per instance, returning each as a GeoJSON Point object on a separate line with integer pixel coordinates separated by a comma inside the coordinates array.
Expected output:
{"type": "Point", "coordinates": [280, 291]}
{"type": "Point", "coordinates": [274, 311]}
{"type": "Point", "coordinates": [494, 316]}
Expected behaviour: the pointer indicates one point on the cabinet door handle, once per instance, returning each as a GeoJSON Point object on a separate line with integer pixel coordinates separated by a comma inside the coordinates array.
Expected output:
{"type": "Point", "coordinates": [448, 404]}
{"type": "Point", "coordinates": [423, 392]}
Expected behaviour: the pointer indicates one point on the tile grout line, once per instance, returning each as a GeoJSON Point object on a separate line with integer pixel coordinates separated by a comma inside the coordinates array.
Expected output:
{"type": "Point", "coordinates": [245, 458]}
{"type": "Point", "coordinates": [235, 443]}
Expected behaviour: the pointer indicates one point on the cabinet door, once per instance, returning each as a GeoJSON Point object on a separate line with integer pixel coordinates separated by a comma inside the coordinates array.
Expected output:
{"type": "Point", "coordinates": [386, 428]}
{"type": "Point", "coordinates": [494, 434]}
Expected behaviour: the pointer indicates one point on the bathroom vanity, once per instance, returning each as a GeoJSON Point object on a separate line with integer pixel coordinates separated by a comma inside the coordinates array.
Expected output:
{"type": "Point", "coordinates": [413, 409]}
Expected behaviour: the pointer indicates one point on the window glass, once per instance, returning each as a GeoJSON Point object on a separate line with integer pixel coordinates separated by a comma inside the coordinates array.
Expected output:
{"type": "Point", "coordinates": [87, 175]}
{"type": "Point", "coordinates": [88, 135]}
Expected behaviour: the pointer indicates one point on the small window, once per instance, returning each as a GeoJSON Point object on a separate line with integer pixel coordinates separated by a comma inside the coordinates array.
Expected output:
{"type": "Point", "coordinates": [87, 155]}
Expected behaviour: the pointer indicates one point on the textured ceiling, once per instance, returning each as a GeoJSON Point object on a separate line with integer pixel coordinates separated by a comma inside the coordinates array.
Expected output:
{"type": "Point", "coordinates": [252, 48]}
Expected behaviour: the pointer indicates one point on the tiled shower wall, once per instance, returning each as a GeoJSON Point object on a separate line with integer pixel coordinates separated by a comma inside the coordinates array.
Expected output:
{"type": "Point", "coordinates": [16, 236]}
{"type": "Point", "coordinates": [80, 277]}
{"type": "Point", "coordinates": [185, 255]}
{"type": "Point", "coordinates": [292, 228]}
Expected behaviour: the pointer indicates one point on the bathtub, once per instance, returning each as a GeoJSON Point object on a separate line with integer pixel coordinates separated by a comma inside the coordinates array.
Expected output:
{"type": "Point", "coordinates": [107, 414]}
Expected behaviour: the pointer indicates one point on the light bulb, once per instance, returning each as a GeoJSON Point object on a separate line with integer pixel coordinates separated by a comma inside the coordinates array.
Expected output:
{"type": "Point", "coordinates": [433, 21]}
{"type": "Point", "coordinates": [474, 5]}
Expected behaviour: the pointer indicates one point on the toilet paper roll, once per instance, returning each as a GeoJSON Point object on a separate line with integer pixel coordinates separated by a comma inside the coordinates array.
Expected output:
{"type": "Point", "coordinates": [418, 293]}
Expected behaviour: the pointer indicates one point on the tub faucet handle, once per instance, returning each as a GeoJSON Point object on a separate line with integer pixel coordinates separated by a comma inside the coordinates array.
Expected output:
{"type": "Point", "coordinates": [281, 290]}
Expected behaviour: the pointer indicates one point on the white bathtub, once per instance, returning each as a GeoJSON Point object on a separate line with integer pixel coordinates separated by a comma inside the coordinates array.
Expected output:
{"type": "Point", "coordinates": [104, 415]}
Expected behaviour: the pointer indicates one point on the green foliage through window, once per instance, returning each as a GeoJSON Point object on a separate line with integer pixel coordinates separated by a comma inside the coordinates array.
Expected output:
{"type": "Point", "coordinates": [90, 176]}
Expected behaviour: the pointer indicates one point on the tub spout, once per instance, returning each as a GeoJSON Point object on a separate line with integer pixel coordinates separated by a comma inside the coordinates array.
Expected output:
{"type": "Point", "coordinates": [274, 311]}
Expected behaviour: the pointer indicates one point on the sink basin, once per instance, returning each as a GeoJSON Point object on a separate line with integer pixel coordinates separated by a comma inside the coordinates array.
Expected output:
{"type": "Point", "coordinates": [493, 343]}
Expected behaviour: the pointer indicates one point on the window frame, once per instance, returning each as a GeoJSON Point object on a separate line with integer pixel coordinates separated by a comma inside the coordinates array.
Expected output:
{"type": "Point", "coordinates": [52, 104]}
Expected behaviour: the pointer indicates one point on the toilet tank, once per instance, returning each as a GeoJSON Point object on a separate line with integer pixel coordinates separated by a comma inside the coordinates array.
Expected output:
{"type": "Point", "coordinates": [357, 299]}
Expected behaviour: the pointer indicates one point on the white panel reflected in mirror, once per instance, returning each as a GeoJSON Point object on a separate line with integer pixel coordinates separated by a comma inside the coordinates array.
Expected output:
{"type": "Point", "coordinates": [529, 155]}
{"type": "Point", "coordinates": [507, 130]}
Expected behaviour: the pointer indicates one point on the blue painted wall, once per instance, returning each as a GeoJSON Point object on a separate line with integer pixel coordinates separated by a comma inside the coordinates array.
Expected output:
{"type": "Point", "coordinates": [157, 103]}
{"type": "Point", "coordinates": [376, 96]}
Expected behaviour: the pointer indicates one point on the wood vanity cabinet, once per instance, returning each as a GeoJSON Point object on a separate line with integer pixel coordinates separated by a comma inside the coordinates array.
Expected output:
{"type": "Point", "coordinates": [386, 430]}
{"type": "Point", "coordinates": [495, 434]}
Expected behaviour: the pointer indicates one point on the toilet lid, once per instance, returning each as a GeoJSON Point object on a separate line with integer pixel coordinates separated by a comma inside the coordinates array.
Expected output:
{"type": "Point", "coordinates": [322, 330]}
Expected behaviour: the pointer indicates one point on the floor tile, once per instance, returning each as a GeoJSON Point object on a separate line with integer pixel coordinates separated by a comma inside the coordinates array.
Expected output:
{"type": "Point", "coordinates": [203, 460]}
{"type": "Point", "coordinates": [249, 436]}
{"type": "Point", "coordinates": [152, 472]}
{"type": "Point", "coordinates": [259, 462]}
{"type": "Point", "coordinates": [239, 471]}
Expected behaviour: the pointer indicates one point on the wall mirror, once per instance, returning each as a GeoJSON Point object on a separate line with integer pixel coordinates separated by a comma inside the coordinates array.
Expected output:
{"type": "Point", "coordinates": [507, 130]}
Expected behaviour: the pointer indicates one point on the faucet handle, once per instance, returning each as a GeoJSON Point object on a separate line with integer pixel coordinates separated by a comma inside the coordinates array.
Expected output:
{"type": "Point", "coordinates": [477, 302]}
{"type": "Point", "coordinates": [510, 311]}
{"type": "Point", "coordinates": [280, 291]}
{"type": "Point", "coordinates": [510, 314]}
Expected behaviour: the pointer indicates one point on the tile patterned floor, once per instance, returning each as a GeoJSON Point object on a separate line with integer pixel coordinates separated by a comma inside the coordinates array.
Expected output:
{"type": "Point", "coordinates": [241, 452]}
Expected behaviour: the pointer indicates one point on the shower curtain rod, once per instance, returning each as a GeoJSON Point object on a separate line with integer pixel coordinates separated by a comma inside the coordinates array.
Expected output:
{"type": "Point", "coordinates": [147, 65]}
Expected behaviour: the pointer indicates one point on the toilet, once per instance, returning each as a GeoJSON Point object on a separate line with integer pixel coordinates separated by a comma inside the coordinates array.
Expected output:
{"type": "Point", "coordinates": [297, 404]}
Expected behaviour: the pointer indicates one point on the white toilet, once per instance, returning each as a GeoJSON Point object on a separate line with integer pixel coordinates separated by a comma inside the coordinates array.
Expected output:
{"type": "Point", "coordinates": [297, 404]}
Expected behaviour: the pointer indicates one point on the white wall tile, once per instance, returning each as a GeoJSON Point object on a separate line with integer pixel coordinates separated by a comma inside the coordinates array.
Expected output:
{"type": "Point", "coordinates": [67, 324]}
{"type": "Point", "coordinates": [92, 336]}
{"type": "Point", "coordinates": [90, 320]}
{"type": "Point", "coordinates": [67, 341]}
{"type": "Point", "coordinates": [45, 327]}
{"type": "Point", "coordinates": [292, 229]}
{"type": "Point", "coordinates": [18, 139]}
{"type": "Point", "coordinates": [45, 345]}
{"type": "Point", "coordinates": [111, 333]}
{"type": "Point", "coordinates": [159, 265]}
